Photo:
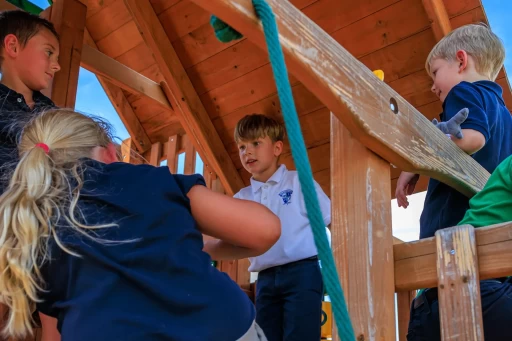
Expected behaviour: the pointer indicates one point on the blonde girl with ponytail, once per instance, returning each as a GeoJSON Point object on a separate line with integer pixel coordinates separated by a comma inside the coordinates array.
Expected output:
{"type": "Point", "coordinates": [88, 241]}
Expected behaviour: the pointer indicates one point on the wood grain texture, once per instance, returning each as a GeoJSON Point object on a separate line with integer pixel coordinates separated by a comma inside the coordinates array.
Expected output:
{"type": "Point", "coordinates": [439, 20]}
{"type": "Point", "coordinates": [362, 242]}
{"type": "Point", "coordinates": [68, 17]}
{"type": "Point", "coordinates": [404, 300]}
{"type": "Point", "coordinates": [178, 87]}
{"type": "Point", "coordinates": [415, 262]}
{"type": "Point", "coordinates": [156, 154]}
{"type": "Point", "coordinates": [122, 107]}
{"type": "Point", "coordinates": [358, 98]}
{"type": "Point", "coordinates": [460, 308]}
{"type": "Point", "coordinates": [172, 148]}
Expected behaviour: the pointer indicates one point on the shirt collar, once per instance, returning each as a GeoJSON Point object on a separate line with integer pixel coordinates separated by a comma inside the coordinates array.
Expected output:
{"type": "Point", "coordinates": [37, 97]}
{"type": "Point", "coordinates": [275, 178]}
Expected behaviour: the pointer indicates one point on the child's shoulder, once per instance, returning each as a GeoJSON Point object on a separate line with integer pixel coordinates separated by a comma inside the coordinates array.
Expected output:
{"type": "Point", "coordinates": [480, 89]}
{"type": "Point", "coordinates": [244, 193]}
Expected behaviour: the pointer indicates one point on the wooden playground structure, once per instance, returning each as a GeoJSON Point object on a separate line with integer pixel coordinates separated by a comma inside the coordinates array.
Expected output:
{"type": "Point", "coordinates": [179, 91]}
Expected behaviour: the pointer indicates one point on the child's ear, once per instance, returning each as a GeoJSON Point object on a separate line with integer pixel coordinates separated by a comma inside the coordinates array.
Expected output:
{"type": "Point", "coordinates": [462, 59]}
{"type": "Point", "coordinates": [278, 148]}
{"type": "Point", "coordinates": [11, 45]}
{"type": "Point", "coordinates": [111, 153]}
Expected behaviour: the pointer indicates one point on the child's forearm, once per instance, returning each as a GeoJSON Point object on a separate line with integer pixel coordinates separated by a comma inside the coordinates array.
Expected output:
{"type": "Point", "coordinates": [472, 141]}
{"type": "Point", "coordinates": [220, 250]}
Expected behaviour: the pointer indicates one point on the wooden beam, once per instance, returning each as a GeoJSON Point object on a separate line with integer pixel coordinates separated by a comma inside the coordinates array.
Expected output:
{"type": "Point", "coordinates": [172, 148]}
{"type": "Point", "coordinates": [362, 242]}
{"type": "Point", "coordinates": [68, 17]}
{"type": "Point", "coordinates": [439, 20]}
{"type": "Point", "coordinates": [460, 307]}
{"type": "Point", "coordinates": [191, 112]}
{"type": "Point", "coordinates": [190, 157]}
{"type": "Point", "coordinates": [123, 107]}
{"type": "Point", "coordinates": [373, 112]}
{"type": "Point", "coordinates": [415, 262]}
{"type": "Point", "coordinates": [156, 154]}
{"type": "Point", "coordinates": [122, 76]}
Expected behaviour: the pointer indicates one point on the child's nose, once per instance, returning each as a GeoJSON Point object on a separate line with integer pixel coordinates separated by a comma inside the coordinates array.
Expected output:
{"type": "Point", "coordinates": [56, 67]}
{"type": "Point", "coordinates": [433, 88]}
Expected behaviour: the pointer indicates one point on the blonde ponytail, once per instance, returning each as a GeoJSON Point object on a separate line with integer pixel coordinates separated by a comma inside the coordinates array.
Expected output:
{"type": "Point", "coordinates": [39, 194]}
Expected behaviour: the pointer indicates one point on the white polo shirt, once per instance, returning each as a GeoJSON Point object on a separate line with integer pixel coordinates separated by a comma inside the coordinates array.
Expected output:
{"type": "Point", "coordinates": [283, 196]}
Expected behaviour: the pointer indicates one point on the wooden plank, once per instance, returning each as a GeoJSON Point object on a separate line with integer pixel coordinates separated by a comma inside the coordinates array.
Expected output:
{"type": "Point", "coordinates": [189, 108]}
{"type": "Point", "coordinates": [110, 18]}
{"type": "Point", "coordinates": [172, 153]}
{"type": "Point", "coordinates": [362, 241]}
{"type": "Point", "coordinates": [123, 107]}
{"type": "Point", "coordinates": [190, 157]}
{"type": "Point", "coordinates": [230, 267]}
{"type": "Point", "coordinates": [404, 300]}
{"type": "Point", "coordinates": [439, 20]}
{"type": "Point", "coordinates": [243, 276]}
{"type": "Point", "coordinates": [116, 43]}
{"type": "Point", "coordinates": [156, 154]}
{"type": "Point", "coordinates": [359, 99]}
{"type": "Point", "coordinates": [68, 17]}
{"type": "Point", "coordinates": [460, 308]}
{"type": "Point", "coordinates": [415, 262]}
{"type": "Point", "coordinates": [126, 150]}
{"type": "Point", "coordinates": [7, 6]}
{"type": "Point", "coordinates": [122, 76]}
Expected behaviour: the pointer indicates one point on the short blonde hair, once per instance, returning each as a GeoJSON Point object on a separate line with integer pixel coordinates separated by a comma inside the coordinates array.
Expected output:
{"type": "Point", "coordinates": [255, 126]}
{"type": "Point", "coordinates": [479, 42]}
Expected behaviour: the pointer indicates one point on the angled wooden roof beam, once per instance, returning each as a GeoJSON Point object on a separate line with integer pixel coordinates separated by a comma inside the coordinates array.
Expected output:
{"type": "Point", "coordinates": [188, 106]}
{"type": "Point", "coordinates": [439, 20]}
{"type": "Point", "coordinates": [375, 114]}
{"type": "Point", "coordinates": [123, 107]}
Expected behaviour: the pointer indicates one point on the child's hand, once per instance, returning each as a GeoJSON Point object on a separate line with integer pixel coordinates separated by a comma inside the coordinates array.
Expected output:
{"type": "Point", "coordinates": [404, 187]}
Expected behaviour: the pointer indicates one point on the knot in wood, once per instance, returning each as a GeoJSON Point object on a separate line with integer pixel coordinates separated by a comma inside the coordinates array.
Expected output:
{"type": "Point", "coordinates": [360, 337]}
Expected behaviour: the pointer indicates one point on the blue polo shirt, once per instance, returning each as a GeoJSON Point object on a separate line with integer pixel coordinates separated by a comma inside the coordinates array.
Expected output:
{"type": "Point", "coordinates": [150, 280]}
{"type": "Point", "coordinates": [444, 206]}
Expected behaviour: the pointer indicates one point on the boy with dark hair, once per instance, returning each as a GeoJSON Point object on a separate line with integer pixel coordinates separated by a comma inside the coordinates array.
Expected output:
{"type": "Point", "coordinates": [290, 287]}
{"type": "Point", "coordinates": [29, 52]}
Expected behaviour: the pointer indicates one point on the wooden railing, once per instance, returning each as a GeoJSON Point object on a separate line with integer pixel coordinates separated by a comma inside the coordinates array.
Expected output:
{"type": "Point", "coordinates": [372, 126]}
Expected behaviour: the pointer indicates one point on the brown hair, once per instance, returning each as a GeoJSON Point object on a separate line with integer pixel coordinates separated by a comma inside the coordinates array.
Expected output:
{"type": "Point", "coordinates": [23, 25]}
{"type": "Point", "coordinates": [252, 127]}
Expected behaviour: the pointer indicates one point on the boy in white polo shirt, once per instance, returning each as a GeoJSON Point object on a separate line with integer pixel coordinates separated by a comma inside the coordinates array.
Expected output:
{"type": "Point", "coordinates": [290, 287]}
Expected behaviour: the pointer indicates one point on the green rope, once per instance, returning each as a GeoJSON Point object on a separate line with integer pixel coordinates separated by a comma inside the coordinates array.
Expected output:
{"type": "Point", "coordinates": [300, 156]}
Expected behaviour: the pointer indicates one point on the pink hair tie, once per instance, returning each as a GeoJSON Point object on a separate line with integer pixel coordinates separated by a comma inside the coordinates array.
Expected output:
{"type": "Point", "coordinates": [43, 146]}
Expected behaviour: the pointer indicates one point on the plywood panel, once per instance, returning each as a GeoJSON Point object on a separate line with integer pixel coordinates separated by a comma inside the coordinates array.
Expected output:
{"type": "Point", "coordinates": [242, 91]}
{"type": "Point", "coordinates": [182, 18]}
{"type": "Point", "coordinates": [153, 73]}
{"type": "Point", "coordinates": [109, 19]}
{"type": "Point", "coordinates": [94, 6]}
{"type": "Point", "coordinates": [138, 58]}
{"type": "Point", "coordinates": [120, 41]}
{"type": "Point", "coordinates": [161, 5]}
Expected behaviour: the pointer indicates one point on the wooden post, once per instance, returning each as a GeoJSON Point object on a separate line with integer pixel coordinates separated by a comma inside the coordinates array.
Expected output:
{"type": "Point", "coordinates": [362, 242]}
{"type": "Point", "coordinates": [460, 309]}
{"type": "Point", "coordinates": [172, 153]}
{"type": "Point", "coordinates": [156, 154]}
{"type": "Point", "coordinates": [438, 17]}
{"type": "Point", "coordinates": [190, 157]}
{"type": "Point", "coordinates": [404, 301]}
{"type": "Point", "coordinates": [68, 17]}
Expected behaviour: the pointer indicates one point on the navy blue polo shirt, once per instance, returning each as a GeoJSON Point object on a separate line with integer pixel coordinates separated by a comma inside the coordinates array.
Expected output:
{"type": "Point", "coordinates": [14, 113]}
{"type": "Point", "coordinates": [444, 206]}
{"type": "Point", "coordinates": [159, 286]}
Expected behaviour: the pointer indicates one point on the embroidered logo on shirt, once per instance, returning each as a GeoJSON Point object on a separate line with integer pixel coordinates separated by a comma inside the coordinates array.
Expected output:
{"type": "Point", "coordinates": [286, 195]}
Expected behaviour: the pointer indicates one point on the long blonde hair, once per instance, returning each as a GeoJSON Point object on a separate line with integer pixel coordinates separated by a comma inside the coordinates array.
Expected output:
{"type": "Point", "coordinates": [40, 193]}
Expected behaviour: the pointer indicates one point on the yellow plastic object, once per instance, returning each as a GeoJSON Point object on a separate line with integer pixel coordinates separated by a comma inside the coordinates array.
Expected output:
{"type": "Point", "coordinates": [326, 329]}
{"type": "Point", "coordinates": [379, 74]}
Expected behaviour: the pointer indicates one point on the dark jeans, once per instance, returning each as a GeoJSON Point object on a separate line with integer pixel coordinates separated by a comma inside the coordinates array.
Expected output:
{"type": "Point", "coordinates": [496, 299]}
{"type": "Point", "coordinates": [289, 301]}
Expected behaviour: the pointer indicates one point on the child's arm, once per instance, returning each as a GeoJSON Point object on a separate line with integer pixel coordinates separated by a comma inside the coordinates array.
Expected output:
{"type": "Point", "coordinates": [49, 328]}
{"type": "Point", "coordinates": [475, 128]}
{"type": "Point", "coordinates": [244, 228]}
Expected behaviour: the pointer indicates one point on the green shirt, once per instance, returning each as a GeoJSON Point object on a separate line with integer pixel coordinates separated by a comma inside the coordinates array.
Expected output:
{"type": "Point", "coordinates": [493, 204]}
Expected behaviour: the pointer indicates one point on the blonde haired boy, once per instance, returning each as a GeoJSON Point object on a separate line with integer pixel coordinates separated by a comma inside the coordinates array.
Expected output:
{"type": "Point", "coordinates": [290, 287]}
{"type": "Point", "coordinates": [463, 67]}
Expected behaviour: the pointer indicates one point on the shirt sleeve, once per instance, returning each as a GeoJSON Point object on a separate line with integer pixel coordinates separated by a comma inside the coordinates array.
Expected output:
{"type": "Point", "coordinates": [323, 201]}
{"type": "Point", "coordinates": [186, 182]}
{"type": "Point", "coordinates": [463, 96]}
